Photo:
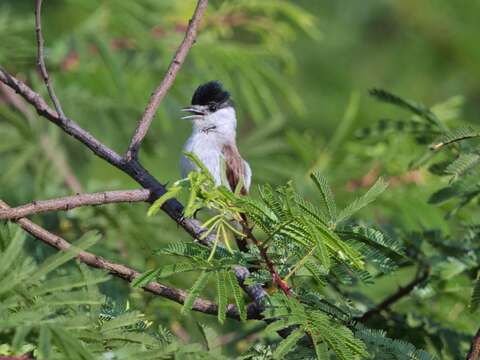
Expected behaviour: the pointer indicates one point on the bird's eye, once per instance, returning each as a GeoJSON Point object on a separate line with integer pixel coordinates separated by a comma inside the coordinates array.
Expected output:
{"type": "Point", "coordinates": [212, 107]}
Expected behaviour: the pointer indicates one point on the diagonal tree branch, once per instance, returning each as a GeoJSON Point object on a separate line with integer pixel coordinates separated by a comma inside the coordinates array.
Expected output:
{"type": "Point", "coordinates": [162, 89]}
{"type": "Point", "coordinates": [72, 202]}
{"type": "Point", "coordinates": [126, 273]}
{"type": "Point", "coordinates": [41, 59]}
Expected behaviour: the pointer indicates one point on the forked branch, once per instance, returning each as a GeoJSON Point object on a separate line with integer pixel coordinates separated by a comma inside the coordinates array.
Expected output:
{"type": "Point", "coordinates": [41, 59]}
{"type": "Point", "coordinates": [167, 82]}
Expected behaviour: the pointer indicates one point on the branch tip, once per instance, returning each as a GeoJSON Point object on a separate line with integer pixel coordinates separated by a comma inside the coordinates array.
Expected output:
{"type": "Point", "coordinates": [170, 75]}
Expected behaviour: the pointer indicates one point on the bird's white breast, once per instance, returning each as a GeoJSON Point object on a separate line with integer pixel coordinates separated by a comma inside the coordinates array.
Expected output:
{"type": "Point", "coordinates": [207, 149]}
{"type": "Point", "coordinates": [207, 141]}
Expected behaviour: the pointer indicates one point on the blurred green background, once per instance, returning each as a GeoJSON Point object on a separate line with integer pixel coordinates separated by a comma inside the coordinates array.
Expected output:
{"type": "Point", "coordinates": [299, 72]}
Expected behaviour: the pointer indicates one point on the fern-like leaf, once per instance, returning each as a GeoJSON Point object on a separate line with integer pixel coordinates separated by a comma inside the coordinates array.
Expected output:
{"type": "Point", "coordinates": [288, 344]}
{"type": "Point", "coordinates": [381, 347]}
{"type": "Point", "coordinates": [375, 191]}
{"type": "Point", "coordinates": [456, 135]}
{"type": "Point", "coordinates": [463, 164]}
{"type": "Point", "coordinates": [222, 297]}
{"type": "Point", "coordinates": [413, 107]}
{"type": "Point", "coordinates": [194, 292]}
{"type": "Point", "coordinates": [475, 299]}
{"type": "Point", "coordinates": [145, 278]}
{"type": "Point", "coordinates": [327, 197]}
{"type": "Point", "coordinates": [237, 294]}
{"type": "Point", "coordinates": [170, 194]}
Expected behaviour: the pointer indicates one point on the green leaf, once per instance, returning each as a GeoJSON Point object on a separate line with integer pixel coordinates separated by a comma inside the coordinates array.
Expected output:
{"type": "Point", "coordinates": [375, 191]}
{"type": "Point", "coordinates": [443, 195]}
{"type": "Point", "coordinates": [194, 292]}
{"type": "Point", "coordinates": [317, 272]}
{"type": "Point", "coordinates": [456, 135]}
{"type": "Point", "coordinates": [376, 238]}
{"type": "Point", "coordinates": [322, 251]}
{"type": "Point", "coordinates": [170, 194]}
{"type": "Point", "coordinates": [172, 269]}
{"type": "Point", "coordinates": [463, 164]}
{"type": "Point", "coordinates": [145, 278]}
{"type": "Point", "coordinates": [327, 197]}
{"type": "Point", "coordinates": [475, 300]}
{"type": "Point", "coordinates": [321, 351]}
{"type": "Point", "coordinates": [448, 268]}
{"type": "Point", "coordinates": [415, 108]}
{"type": "Point", "coordinates": [203, 169]}
{"type": "Point", "coordinates": [71, 346]}
{"type": "Point", "coordinates": [379, 346]}
{"type": "Point", "coordinates": [19, 338]}
{"type": "Point", "coordinates": [283, 323]}
{"type": "Point", "coordinates": [222, 297]}
{"type": "Point", "coordinates": [237, 295]}
{"type": "Point", "coordinates": [13, 251]}
{"type": "Point", "coordinates": [208, 334]}
{"type": "Point", "coordinates": [288, 344]}
{"type": "Point", "coordinates": [44, 343]}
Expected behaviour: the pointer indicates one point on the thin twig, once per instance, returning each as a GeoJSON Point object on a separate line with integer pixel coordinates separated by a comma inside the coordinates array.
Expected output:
{"type": "Point", "coordinates": [126, 273]}
{"type": "Point", "coordinates": [162, 89]}
{"type": "Point", "coordinates": [399, 294]}
{"type": "Point", "coordinates": [41, 59]}
{"type": "Point", "coordinates": [474, 353]}
{"type": "Point", "coordinates": [72, 202]}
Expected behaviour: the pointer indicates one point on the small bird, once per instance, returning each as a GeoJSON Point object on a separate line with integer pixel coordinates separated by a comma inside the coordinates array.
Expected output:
{"type": "Point", "coordinates": [213, 137]}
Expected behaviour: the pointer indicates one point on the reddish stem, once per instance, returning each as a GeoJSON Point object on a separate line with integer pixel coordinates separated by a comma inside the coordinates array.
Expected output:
{"type": "Point", "coordinates": [277, 279]}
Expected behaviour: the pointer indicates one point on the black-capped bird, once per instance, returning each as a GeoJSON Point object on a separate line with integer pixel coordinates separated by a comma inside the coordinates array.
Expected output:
{"type": "Point", "coordinates": [213, 137]}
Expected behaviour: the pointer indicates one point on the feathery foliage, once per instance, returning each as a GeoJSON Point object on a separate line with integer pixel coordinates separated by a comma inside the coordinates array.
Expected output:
{"type": "Point", "coordinates": [350, 271]}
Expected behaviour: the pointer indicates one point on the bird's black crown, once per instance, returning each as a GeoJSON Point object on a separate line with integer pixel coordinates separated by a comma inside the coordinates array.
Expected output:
{"type": "Point", "coordinates": [210, 92]}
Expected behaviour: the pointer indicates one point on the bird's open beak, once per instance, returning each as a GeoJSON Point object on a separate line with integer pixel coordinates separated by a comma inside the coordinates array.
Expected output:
{"type": "Point", "coordinates": [196, 111]}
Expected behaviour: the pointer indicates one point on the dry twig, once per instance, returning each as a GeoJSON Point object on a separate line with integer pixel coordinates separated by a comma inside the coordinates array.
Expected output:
{"type": "Point", "coordinates": [41, 59]}
{"type": "Point", "coordinates": [72, 202]}
{"type": "Point", "coordinates": [162, 89]}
